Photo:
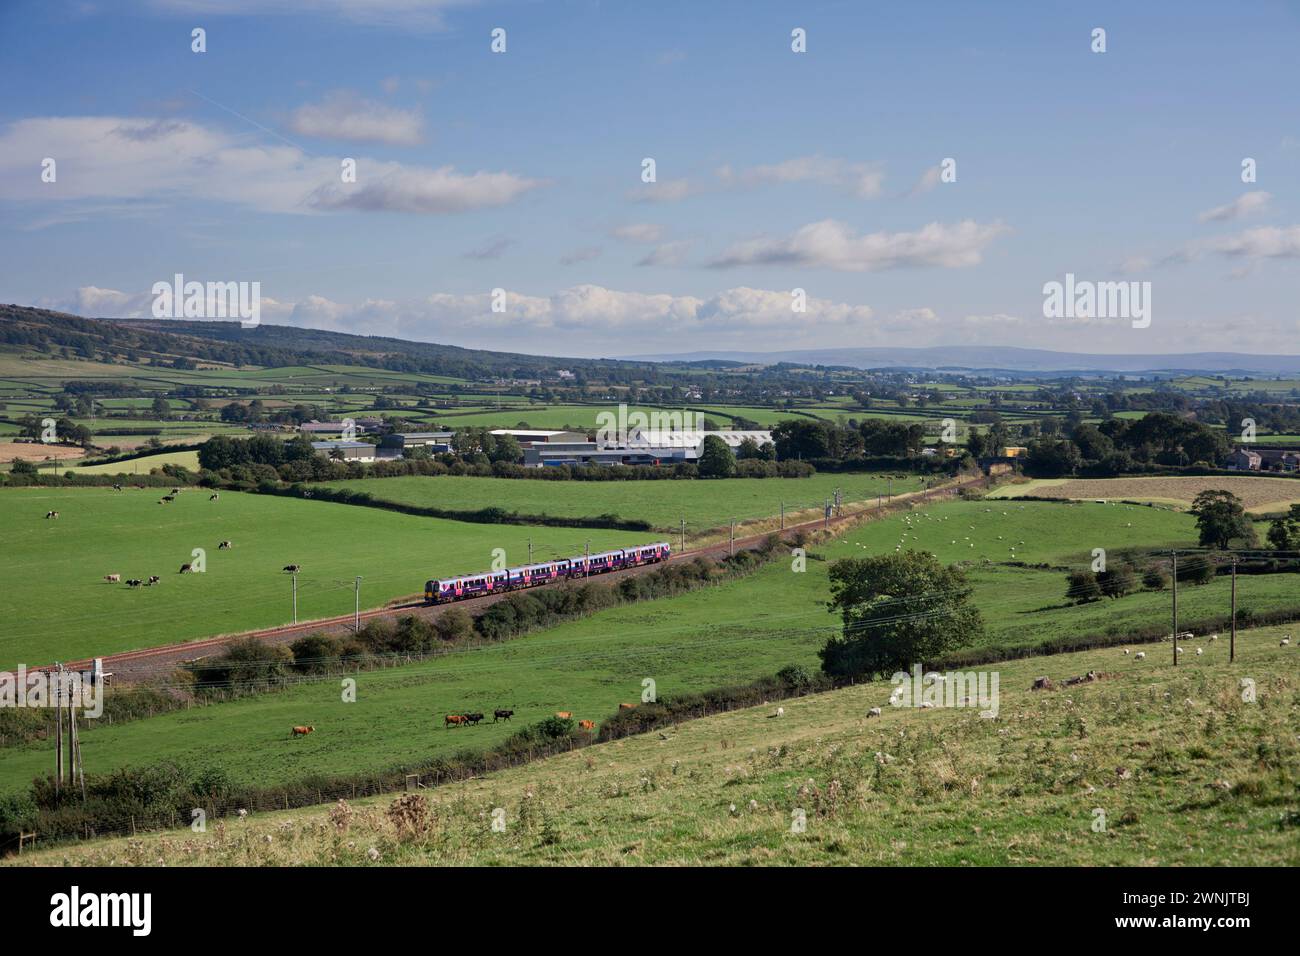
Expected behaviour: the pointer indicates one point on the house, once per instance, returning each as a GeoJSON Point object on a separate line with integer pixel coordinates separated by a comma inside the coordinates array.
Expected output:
{"type": "Point", "coordinates": [1243, 460]}
{"type": "Point", "coordinates": [1014, 451]}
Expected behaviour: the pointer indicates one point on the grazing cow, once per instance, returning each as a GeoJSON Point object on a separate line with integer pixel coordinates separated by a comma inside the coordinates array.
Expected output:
{"type": "Point", "coordinates": [214, 496]}
{"type": "Point", "coordinates": [186, 569]}
{"type": "Point", "coordinates": [292, 568]}
{"type": "Point", "coordinates": [627, 706]}
{"type": "Point", "coordinates": [302, 731]}
{"type": "Point", "coordinates": [454, 720]}
{"type": "Point", "coordinates": [224, 546]}
{"type": "Point", "coordinates": [112, 578]}
{"type": "Point", "coordinates": [133, 583]}
{"type": "Point", "coordinates": [563, 714]}
{"type": "Point", "coordinates": [51, 514]}
{"type": "Point", "coordinates": [166, 499]}
{"type": "Point", "coordinates": [153, 579]}
{"type": "Point", "coordinates": [473, 718]}
{"type": "Point", "coordinates": [502, 715]}
{"type": "Point", "coordinates": [117, 487]}
{"type": "Point", "coordinates": [176, 491]}
{"type": "Point", "coordinates": [586, 725]}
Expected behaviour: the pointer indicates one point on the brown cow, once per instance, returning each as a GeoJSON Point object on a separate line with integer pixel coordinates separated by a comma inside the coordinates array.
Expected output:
{"type": "Point", "coordinates": [627, 706]}
{"type": "Point", "coordinates": [302, 731]}
{"type": "Point", "coordinates": [454, 720]}
{"type": "Point", "coordinates": [586, 725]}
{"type": "Point", "coordinates": [563, 714]}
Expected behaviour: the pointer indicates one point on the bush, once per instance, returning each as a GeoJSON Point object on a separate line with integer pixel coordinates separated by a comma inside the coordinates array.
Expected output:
{"type": "Point", "coordinates": [1082, 587]}
{"type": "Point", "coordinates": [454, 624]}
{"type": "Point", "coordinates": [1155, 578]}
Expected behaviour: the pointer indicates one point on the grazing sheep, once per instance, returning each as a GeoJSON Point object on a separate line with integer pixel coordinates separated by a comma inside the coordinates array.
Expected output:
{"type": "Point", "coordinates": [1199, 652]}
{"type": "Point", "coordinates": [1141, 655]}
{"type": "Point", "coordinates": [292, 568]}
{"type": "Point", "coordinates": [1126, 651]}
{"type": "Point", "coordinates": [186, 569]}
{"type": "Point", "coordinates": [1178, 650]}
{"type": "Point", "coordinates": [214, 496]}
{"type": "Point", "coordinates": [112, 578]}
{"type": "Point", "coordinates": [224, 546]}
{"type": "Point", "coordinates": [927, 704]}
{"type": "Point", "coordinates": [1214, 637]}
{"type": "Point", "coordinates": [1285, 641]}
{"type": "Point", "coordinates": [874, 712]}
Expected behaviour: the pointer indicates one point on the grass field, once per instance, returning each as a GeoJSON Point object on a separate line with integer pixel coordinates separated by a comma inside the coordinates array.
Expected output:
{"type": "Point", "coordinates": [733, 632]}
{"type": "Point", "coordinates": [143, 465]}
{"type": "Point", "coordinates": [1258, 494]}
{"type": "Point", "coordinates": [56, 605]}
{"type": "Point", "coordinates": [703, 503]}
{"type": "Point", "coordinates": [1150, 766]}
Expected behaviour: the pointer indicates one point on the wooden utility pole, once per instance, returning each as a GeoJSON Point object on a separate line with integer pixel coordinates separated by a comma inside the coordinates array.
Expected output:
{"type": "Point", "coordinates": [530, 550]}
{"type": "Point", "coordinates": [683, 529]}
{"type": "Point", "coordinates": [294, 576]}
{"type": "Point", "coordinates": [782, 515]}
{"type": "Point", "coordinates": [58, 737]}
{"type": "Point", "coordinates": [356, 614]}
{"type": "Point", "coordinates": [1174, 556]}
{"type": "Point", "coordinates": [1232, 639]}
{"type": "Point", "coordinates": [731, 541]}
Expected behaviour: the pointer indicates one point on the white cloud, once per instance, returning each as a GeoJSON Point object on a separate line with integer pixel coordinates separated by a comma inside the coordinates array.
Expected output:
{"type": "Point", "coordinates": [668, 253]}
{"type": "Point", "coordinates": [638, 232]}
{"type": "Point", "coordinates": [830, 244]}
{"type": "Point", "coordinates": [1247, 204]}
{"type": "Point", "coordinates": [929, 179]}
{"type": "Point", "coordinates": [668, 190]}
{"type": "Point", "coordinates": [344, 115]}
{"type": "Point", "coordinates": [860, 180]}
{"type": "Point", "coordinates": [413, 14]}
{"type": "Point", "coordinates": [490, 250]}
{"type": "Point", "coordinates": [585, 254]}
{"type": "Point", "coordinates": [116, 158]}
{"type": "Point", "coordinates": [1265, 242]}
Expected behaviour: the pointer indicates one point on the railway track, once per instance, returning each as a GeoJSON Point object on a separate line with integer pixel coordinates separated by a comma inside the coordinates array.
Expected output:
{"type": "Point", "coordinates": [146, 663]}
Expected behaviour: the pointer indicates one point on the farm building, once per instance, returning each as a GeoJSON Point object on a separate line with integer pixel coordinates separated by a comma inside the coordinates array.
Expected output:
{"type": "Point", "coordinates": [394, 445]}
{"type": "Point", "coordinates": [531, 436]}
{"type": "Point", "coordinates": [691, 440]}
{"type": "Point", "coordinates": [1244, 460]}
{"type": "Point", "coordinates": [589, 453]}
{"type": "Point", "coordinates": [345, 450]}
{"type": "Point", "coordinates": [328, 428]}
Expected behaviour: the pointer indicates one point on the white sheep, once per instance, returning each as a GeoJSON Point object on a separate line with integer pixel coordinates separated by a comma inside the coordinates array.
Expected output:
{"type": "Point", "coordinates": [874, 712]}
{"type": "Point", "coordinates": [1141, 655]}
{"type": "Point", "coordinates": [780, 711]}
{"type": "Point", "coordinates": [1199, 652]}
{"type": "Point", "coordinates": [1286, 640]}
{"type": "Point", "coordinates": [1126, 651]}
{"type": "Point", "coordinates": [927, 704]}
{"type": "Point", "coordinates": [1214, 637]}
{"type": "Point", "coordinates": [1178, 650]}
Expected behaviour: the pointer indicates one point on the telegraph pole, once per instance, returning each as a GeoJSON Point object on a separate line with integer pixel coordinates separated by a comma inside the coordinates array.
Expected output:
{"type": "Point", "coordinates": [586, 560]}
{"type": "Point", "coordinates": [356, 618]}
{"type": "Point", "coordinates": [294, 578]}
{"type": "Point", "coordinates": [782, 515]}
{"type": "Point", "coordinates": [1174, 556]}
{"type": "Point", "coordinates": [1232, 639]}
{"type": "Point", "coordinates": [530, 550]}
{"type": "Point", "coordinates": [731, 541]}
{"type": "Point", "coordinates": [683, 524]}
{"type": "Point", "coordinates": [58, 738]}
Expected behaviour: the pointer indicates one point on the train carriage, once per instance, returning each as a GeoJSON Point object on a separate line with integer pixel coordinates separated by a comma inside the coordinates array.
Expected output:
{"type": "Point", "coordinates": [444, 590]}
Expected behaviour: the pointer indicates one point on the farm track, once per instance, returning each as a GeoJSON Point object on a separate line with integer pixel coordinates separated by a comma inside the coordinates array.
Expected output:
{"type": "Point", "coordinates": [153, 662]}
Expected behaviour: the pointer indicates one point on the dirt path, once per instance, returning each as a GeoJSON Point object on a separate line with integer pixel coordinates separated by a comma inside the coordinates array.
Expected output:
{"type": "Point", "coordinates": [153, 662]}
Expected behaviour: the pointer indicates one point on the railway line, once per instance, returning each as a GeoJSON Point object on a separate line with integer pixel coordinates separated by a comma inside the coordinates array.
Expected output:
{"type": "Point", "coordinates": [152, 662]}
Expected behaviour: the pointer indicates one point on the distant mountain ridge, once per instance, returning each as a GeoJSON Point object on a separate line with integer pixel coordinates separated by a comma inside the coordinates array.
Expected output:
{"type": "Point", "coordinates": [1001, 358]}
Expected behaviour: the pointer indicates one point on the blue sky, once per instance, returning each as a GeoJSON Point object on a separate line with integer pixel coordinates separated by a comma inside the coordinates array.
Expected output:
{"type": "Point", "coordinates": [776, 170]}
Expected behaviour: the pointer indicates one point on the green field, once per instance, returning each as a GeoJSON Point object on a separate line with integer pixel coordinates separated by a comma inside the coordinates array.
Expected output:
{"type": "Point", "coordinates": [703, 503]}
{"type": "Point", "coordinates": [736, 631]}
{"type": "Point", "coordinates": [1183, 770]}
{"type": "Point", "coordinates": [143, 464]}
{"type": "Point", "coordinates": [56, 605]}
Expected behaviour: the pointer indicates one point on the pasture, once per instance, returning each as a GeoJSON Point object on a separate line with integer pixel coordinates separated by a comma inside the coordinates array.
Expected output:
{"type": "Point", "coordinates": [56, 605]}
{"type": "Point", "coordinates": [1184, 770]}
{"type": "Point", "coordinates": [1258, 493]}
{"type": "Point", "coordinates": [144, 464]}
{"type": "Point", "coordinates": [703, 503]}
{"type": "Point", "coordinates": [734, 632]}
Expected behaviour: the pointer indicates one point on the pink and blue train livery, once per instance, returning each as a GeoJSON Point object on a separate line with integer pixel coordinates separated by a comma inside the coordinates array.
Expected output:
{"type": "Point", "coordinates": [443, 590]}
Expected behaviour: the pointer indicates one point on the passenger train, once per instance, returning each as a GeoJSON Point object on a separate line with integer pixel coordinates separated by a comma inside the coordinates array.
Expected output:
{"type": "Point", "coordinates": [531, 575]}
